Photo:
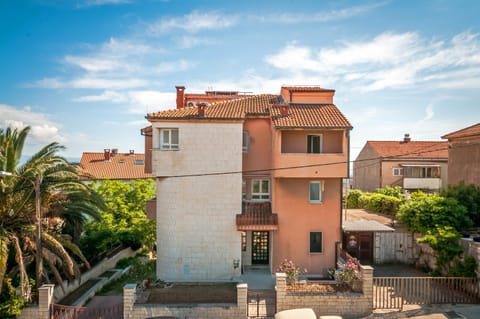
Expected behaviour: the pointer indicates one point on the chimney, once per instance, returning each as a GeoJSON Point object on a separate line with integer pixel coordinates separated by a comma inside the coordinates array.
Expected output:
{"type": "Point", "coordinates": [114, 151]}
{"type": "Point", "coordinates": [180, 96]}
{"type": "Point", "coordinates": [201, 109]}
{"type": "Point", "coordinates": [106, 155]}
{"type": "Point", "coordinates": [406, 138]}
{"type": "Point", "coordinates": [284, 109]}
{"type": "Point", "coordinates": [132, 152]}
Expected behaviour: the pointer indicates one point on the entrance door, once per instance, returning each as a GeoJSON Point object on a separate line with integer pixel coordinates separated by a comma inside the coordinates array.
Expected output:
{"type": "Point", "coordinates": [366, 248]}
{"type": "Point", "coordinates": [260, 245]}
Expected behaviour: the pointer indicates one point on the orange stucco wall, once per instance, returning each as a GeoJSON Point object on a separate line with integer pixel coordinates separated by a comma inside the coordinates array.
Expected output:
{"type": "Point", "coordinates": [298, 217]}
{"type": "Point", "coordinates": [259, 154]}
{"type": "Point", "coordinates": [325, 97]}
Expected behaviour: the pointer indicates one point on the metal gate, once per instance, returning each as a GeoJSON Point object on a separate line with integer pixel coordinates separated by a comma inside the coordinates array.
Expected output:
{"type": "Point", "coordinates": [72, 312]}
{"type": "Point", "coordinates": [394, 292]}
{"type": "Point", "coordinates": [261, 304]}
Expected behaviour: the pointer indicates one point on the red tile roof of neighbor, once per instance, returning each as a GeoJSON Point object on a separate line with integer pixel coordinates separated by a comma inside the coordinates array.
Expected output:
{"type": "Point", "coordinates": [299, 115]}
{"type": "Point", "coordinates": [412, 149]}
{"type": "Point", "coordinates": [306, 89]}
{"type": "Point", "coordinates": [473, 130]}
{"type": "Point", "coordinates": [121, 166]}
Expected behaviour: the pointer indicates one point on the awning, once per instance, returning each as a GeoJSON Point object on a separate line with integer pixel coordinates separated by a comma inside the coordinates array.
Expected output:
{"type": "Point", "coordinates": [257, 216]}
{"type": "Point", "coordinates": [363, 225]}
{"type": "Point", "coordinates": [420, 165]}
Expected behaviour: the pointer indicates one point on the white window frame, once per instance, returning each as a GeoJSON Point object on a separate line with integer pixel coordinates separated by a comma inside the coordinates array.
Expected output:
{"type": "Point", "coordinates": [320, 136]}
{"type": "Point", "coordinates": [397, 171]}
{"type": "Point", "coordinates": [310, 242]}
{"type": "Point", "coordinates": [262, 195]}
{"type": "Point", "coordinates": [320, 192]}
{"type": "Point", "coordinates": [168, 145]}
{"type": "Point", "coordinates": [244, 190]}
{"type": "Point", "coordinates": [245, 141]}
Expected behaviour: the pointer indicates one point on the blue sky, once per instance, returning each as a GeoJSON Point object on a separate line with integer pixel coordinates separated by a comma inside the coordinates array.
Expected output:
{"type": "Point", "coordinates": [86, 72]}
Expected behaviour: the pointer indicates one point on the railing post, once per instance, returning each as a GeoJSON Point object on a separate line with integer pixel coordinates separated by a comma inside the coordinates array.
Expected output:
{"type": "Point", "coordinates": [242, 298]}
{"type": "Point", "coordinates": [129, 291]}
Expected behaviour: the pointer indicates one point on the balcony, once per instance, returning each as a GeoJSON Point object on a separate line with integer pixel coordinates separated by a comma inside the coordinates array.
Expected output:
{"type": "Point", "coordinates": [307, 165]}
{"type": "Point", "coordinates": [422, 183]}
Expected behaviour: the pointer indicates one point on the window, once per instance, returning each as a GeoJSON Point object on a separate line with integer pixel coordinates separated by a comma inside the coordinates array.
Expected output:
{"type": "Point", "coordinates": [261, 189]}
{"type": "Point", "coordinates": [169, 139]}
{"type": "Point", "coordinates": [139, 162]}
{"type": "Point", "coordinates": [244, 241]}
{"type": "Point", "coordinates": [397, 171]}
{"type": "Point", "coordinates": [244, 190]}
{"type": "Point", "coordinates": [315, 189]}
{"type": "Point", "coordinates": [316, 242]}
{"type": "Point", "coordinates": [245, 141]}
{"type": "Point", "coordinates": [314, 144]}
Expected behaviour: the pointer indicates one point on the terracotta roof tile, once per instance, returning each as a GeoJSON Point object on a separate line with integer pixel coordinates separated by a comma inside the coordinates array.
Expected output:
{"type": "Point", "coordinates": [306, 89]}
{"type": "Point", "coordinates": [412, 149]}
{"type": "Point", "coordinates": [121, 166]}
{"type": "Point", "coordinates": [310, 115]}
{"type": "Point", "coordinates": [299, 115]}
{"type": "Point", "coordinates": [473, 130]}
{"type": "Point", "coordinates": [257, 216]}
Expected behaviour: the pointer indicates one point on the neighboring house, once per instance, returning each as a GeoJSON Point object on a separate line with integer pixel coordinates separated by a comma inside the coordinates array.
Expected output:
{"type": "Point", "coordinates": [113, 165]}
{"type": "Point", "coordinates": [464, 155]}
{"type": "Point", "coordinates": [248, 181]}
{"type": "Point", "coordinates": [412, 165]}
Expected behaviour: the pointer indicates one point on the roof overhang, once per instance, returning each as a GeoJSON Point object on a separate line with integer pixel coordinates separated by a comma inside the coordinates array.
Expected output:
{"type": "Point", "coordinates": [420, 165]}
{"type": "Point", "coordinates": [365, 226]}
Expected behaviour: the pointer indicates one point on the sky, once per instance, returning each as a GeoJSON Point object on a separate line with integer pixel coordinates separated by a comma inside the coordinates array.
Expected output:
{"type": "Point", "coordinates": [85, 73]}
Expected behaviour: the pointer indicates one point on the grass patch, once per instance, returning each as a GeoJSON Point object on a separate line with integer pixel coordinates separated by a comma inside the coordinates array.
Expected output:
{"type": "Point", "coordinates": [139, 271]}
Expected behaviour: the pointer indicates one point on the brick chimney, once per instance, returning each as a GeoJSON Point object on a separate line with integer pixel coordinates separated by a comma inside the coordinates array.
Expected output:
{"type": "Point", "coordinates": [406, 138]}
{"type": "Point", "coordinates": [106, 154]}
{"type": "Point", "coordinates": [180, 96]}
{"type": "Point", "coordinates": [284, 109]}
{"type": "Point", "coordinates": [201, 109]}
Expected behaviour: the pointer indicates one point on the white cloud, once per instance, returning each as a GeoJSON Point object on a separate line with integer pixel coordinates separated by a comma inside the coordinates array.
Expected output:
{"type": "Point", "coordinates": [43, 130]}
{"type": "Point", "coordinates": [323, 16]}
{"type": "Point", "coordinates": [92, 3]}
{"type": "Point", "coordinates": [194, 22]}
{"type": "Point", "coordinates": [389, 61]}
{"type": "Point", "coordinates": [105, 96]}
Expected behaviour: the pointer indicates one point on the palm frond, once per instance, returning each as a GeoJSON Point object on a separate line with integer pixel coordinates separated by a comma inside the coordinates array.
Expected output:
{"type": "Point", "coordinates": [74, 249]}
{"type": "Point", "coordinates": [56, 248]}
{"type": "Point", "coordinates": [4, 242]}
{"type": "Point", "coordinates": [54, 270]}
{"type": "Point", "coordinates": [19, 259]}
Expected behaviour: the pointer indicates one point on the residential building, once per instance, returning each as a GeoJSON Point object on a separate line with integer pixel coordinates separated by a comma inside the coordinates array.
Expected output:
{"type": "Point", "coordinates": [464, 155]}
{"type": "Point", "coordinates": [250, 180]}
{"type": "Point", "coordinates": [412, 165]}
{"type": "Point", "coordinates": [110, 164]}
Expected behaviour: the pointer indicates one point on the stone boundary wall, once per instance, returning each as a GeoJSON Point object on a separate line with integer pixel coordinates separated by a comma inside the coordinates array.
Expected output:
{"type": "Point", "coordinates": [42, 310]}
{"type": "Point", "coordinates": [345, 304]}
{"type": "Point", "coordinates": [100, 268]}
{"type": "Point", "coordinates": [191, 311]}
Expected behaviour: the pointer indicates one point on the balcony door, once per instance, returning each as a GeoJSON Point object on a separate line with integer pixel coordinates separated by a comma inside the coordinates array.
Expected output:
{"type": "Point", "coordinates": [260, 247]}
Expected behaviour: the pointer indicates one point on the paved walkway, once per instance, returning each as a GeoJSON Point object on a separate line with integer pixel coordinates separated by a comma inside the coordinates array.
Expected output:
{"type": "Point", "coordinates": [258, 278]}
{"type": "Point", "coordinates": [447, 311]}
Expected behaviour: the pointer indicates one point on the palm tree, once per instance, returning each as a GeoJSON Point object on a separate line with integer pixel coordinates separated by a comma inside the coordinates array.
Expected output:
{"type": "Point", "coordinates": [65, 201]}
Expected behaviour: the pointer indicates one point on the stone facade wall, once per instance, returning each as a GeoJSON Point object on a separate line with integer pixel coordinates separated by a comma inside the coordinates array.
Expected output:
{"type": "Point", "coordinates": [351, 304]}
{"type": "Point", "coordinates": [210, 311]}
{"type": "Point", "coordinates": [196, 226]}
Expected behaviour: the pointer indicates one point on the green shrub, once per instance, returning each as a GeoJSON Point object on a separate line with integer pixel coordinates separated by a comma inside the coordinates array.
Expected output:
{"type": "Point", "coordinates": [464, 268]}
{"type": "Point", "coordinates": [380, 203]}
{"type": "Point", "coordinates": [10, 303]}
{"type": "Point", "coordinates": [391, 191]}
{"type": "Point", "coordinates": [130, 239]}
{"type": "Point", "coordinates": [353, 198]}
{"type": "Point", "coordinates": [125, 262]}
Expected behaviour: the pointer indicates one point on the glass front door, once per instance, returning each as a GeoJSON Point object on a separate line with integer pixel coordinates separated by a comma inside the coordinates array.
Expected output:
{"type": "Point", "coordinates": [260, 247]}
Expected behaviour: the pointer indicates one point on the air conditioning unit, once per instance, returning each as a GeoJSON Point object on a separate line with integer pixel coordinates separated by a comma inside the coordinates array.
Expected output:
{"type": "Point", "coordinates": [191, 103]}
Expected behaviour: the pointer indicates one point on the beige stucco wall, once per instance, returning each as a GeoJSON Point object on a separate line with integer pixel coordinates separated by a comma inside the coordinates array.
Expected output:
{"type": "Point", "coordinates": [197, 238]}
{"type": "Point", "coordinates": [464, 161]}
{"type": "Point", "coordinates": [366, 170]}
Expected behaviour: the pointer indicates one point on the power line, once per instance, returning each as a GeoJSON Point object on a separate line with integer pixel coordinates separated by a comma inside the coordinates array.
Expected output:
{"type": "Point", "coordinates": [305, 166]}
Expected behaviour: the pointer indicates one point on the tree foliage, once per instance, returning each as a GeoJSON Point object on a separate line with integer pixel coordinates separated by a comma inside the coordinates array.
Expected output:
{"type": "Point", "coordinates": [124, 219]}
{"type": "Point", "coordinates": [468, 196]}
{"type": "Point", "coordinates": [64, 200]}
{"type": "Point", "coordinates": [440, 219]}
